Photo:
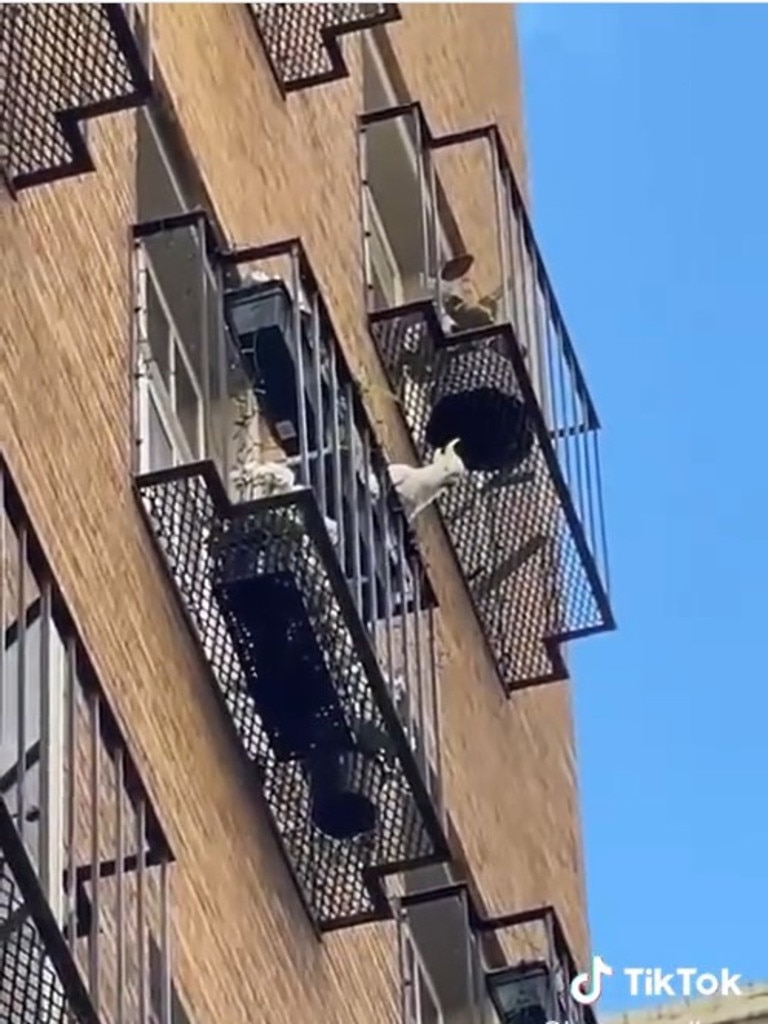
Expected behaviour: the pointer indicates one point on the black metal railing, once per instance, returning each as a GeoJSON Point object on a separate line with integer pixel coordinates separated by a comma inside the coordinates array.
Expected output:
{"type": "Point", "coordinates": [39, 981]}
{"type": "Point", "coordinates": [276, 455]}
{"type": "Point", "coordinates": [468, 329]}
{"type": "Point", "coordinates": [61, 64]}
{"type": "Point", "coordinates": [518, 966]}
{"type": "Point", "coordinates": [264, 593]}
{"type": "Point", "coordinates": [302, 41]}
{"type": "Point", "coordinates": [87, 851]}
{"type": "Point", "coordinates": [307, 395]}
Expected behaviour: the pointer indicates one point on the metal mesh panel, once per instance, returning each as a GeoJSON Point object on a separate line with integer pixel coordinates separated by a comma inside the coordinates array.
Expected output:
{"type": "Point", "coordinates": [33, 990]}
{"type": "Point", "coordinates": [518, 547]}
{"type": "Point", "coordinates": [301, 40]}
{"type": "Point", "coordinates": [281, 544]}
{"type": "Point", "coordinates": [59, 64]}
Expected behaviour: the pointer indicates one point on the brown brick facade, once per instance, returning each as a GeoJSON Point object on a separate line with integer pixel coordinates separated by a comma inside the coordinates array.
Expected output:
{"type": "Point", "coordinates": [244, 950]}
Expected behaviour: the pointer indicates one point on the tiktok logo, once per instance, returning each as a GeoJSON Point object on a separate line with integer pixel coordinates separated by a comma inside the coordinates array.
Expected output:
{"type": "Point", "coordinates": [581, 989]}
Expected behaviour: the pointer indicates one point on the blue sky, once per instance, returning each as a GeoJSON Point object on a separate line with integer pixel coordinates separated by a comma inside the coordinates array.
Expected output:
{"type": "Point", "coordinates": [649, 157]}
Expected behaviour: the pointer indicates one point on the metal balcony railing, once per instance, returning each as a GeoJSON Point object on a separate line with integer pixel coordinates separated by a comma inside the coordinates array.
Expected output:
{"type": "Point", "coordinates": [302, 41]}
{"type": "Point", "coordinates": [61, 64]}
{"type": "Point", "coordinates": [84, 880]}
{"type": "Point", "coordinates": [39, 982]}
{"type": "Point", "coordinates": [517, 968]}
{"type": "Point", "coordinates": [292, 562]}
{"type": "Point", "coordinates": [469, 331]}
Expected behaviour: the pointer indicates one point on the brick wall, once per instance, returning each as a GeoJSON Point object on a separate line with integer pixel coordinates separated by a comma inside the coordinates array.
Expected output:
{"type": "Point", "coordinates": [244, 949]}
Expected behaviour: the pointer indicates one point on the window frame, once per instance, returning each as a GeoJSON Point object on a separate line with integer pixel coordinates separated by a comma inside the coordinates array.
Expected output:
{"type": "Point", "coordinates": [38, 623]}
{"type": "Point", "coordinates": [417, 980]}
{"type": "Point", "coordinates": [151, 388]}
{"type": "Point", "coordinates": [371, 52]}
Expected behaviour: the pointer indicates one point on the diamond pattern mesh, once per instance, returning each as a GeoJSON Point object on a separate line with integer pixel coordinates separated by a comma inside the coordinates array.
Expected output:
{"type": "Point", "coordinates": [60, 63]}
{"type": "Point", "coordinates": [517, 551]}
{"type": "Point", "coordinates": [31, 989]}
{"type": "Point", "coordinates": [268, 548]}
{"type": "Point", "coordinates": [301, 39]}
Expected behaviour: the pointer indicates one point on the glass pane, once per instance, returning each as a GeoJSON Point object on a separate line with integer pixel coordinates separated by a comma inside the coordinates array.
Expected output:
{"type": "Point", "coordinates": [188, 406]}
{"type": "Point", "coordinates": [160, 445]}
{"type": "Point", "coordinates": [156, 193]}
{"type": "Point", "coordinates": [158, 332]}
{"type": "Point", "coordinates": [219, 409]}
{"type": "Point", "coordinates": [176, 259]}
{"type": "Point", "coordinates": [9, 739]}
{"type": "Point", "coordinates": [428, 1011]}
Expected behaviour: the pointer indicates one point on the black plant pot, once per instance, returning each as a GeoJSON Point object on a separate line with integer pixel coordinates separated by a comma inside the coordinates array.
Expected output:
{"type": "Point", "coordinates": [344, 784]}
{"type": "Point", "coordinates": [477, 399]}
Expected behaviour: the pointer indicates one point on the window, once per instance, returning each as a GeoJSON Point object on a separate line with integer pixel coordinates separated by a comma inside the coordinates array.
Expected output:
{"type": "Point", "coordinates": [27, 643]}
{"type": "Point", "coordinates": [397, 200]}
{"type": "Point", "coordinates": [178, 322]}
{"type": "Point", "coordinates": [421, 1005]}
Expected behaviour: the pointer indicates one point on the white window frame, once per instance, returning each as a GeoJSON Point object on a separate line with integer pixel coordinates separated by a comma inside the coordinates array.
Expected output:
{"type": "Point", "coordinates": [54, 811]}
{"type": "Point", "coordinates": [372, 51]}
{"type": "Point", "coordinates": [383, 261]}
{"type": "Point", "coordinates": [150, 387]}
{"type": "Point", "coordinates": [419, 984]}
{"type": "Point", "coordinates": [153, 389]}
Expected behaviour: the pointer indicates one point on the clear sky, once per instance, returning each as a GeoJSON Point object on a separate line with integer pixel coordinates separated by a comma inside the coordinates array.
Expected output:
{"type": "Point", "coordinates": [648, 136]}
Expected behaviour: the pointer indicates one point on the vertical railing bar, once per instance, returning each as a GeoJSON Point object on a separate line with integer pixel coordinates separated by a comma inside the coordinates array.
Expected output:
{"type": "Point", "coordinates": [298, 347]}
{"type": "Point", "coordinates": [120, 881]}
{"type": "Point", "coordinates": [541, 353]}
{"type": "Point", "coordinates": [198, 232]}
{"type": "Point", "coordinates": [515, 262]}
{"type": "Point", "coordinates": [165, 944]}
{"type": "Point", "coordinates": [435, 701]}
{"type": "Point", "coordinates": [499, 202]}
{"type": "Point", "coordinates": [94, 827]}
{"type": "Point", "coordinates": [354, 487]}
{"type": "Point", "coordinates": [338, 501]}
{"type": "Point", "coordinates": [429, 158]}
{"type": "Point", "coordinates": [419, 669]}
{"type": "Point", "coordinates": [601, 514]}
{"type": "Point", "coordinates": [388, 618]}
{"type": "Point", "coordinates": [139, 367]}
{"type": "Point", "coordinates": [404, 630]}
{"type": "Point", "coordinates": [221, 359]}
{"type": "Point", "coordinates": [70, 684]}
{"type": "Point", "coordinates": [563, 404]}
{"type": "Point", "coordinates": [370, 537]}
{"type": "Point", "coordinates": [318, 403]}
{"type": "Point", "coordinates": [406, 982]}
{"type": "Point", "coordinates": [365, 216]}
{"type": "Point", "coordinates": [44, 810]}
{"type": "Point", "coordinates": [528, 296]}
{"type": "Point", "coordinates": [422, 197]}
{"type": "Point", "coordinates": [21, 681]}
{"type": "Point", "coordinates": [141, 914]}
{"type": "Point", "coordinates": [555, 424]}
{"type": "Point", "coordinates": [579, 440]}
{"type": "Point", "coordinates": [590, 525]}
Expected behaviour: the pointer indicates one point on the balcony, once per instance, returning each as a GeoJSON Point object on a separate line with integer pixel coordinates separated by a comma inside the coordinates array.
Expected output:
{"type": "Point", "coordinates": [515, 969]}
{"type": "Point", "coordinates": [61, 64]}
{"type": "Point", "coordinates": [84, 886]}
{"type": "Point", "coordinates": [302, 41]}
{"type": "Point", "coordinates": [270, 505]}
{"type": "Point", "coordinates": [469, 332]}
